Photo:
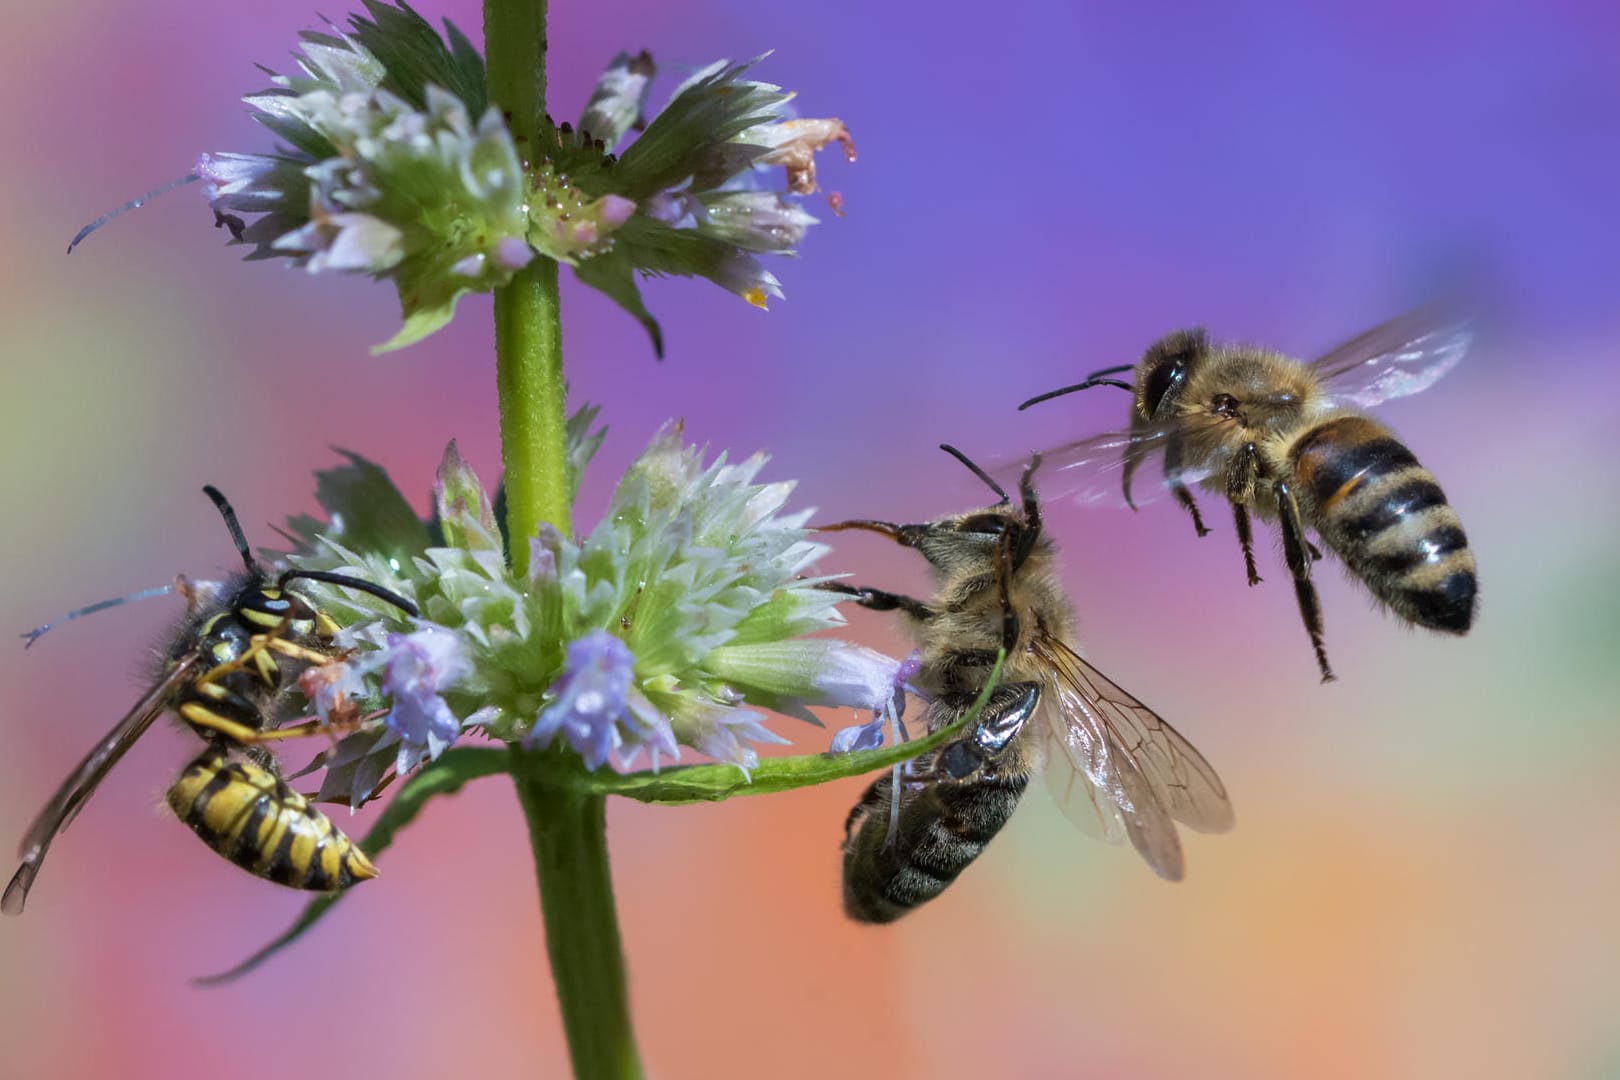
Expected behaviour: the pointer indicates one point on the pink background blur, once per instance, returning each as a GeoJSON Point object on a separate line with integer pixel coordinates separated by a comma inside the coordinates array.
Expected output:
{"type": "Point", "coordinates": [1426, 868]}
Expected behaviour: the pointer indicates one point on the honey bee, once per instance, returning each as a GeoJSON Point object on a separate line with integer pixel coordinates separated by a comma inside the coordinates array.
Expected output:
{"type": "Point", "coordinates": [1117, 769]}
{"type": "Point", "coordinates": [226, 674]}
{"type": "Point", "coordinates": [1292, 443]}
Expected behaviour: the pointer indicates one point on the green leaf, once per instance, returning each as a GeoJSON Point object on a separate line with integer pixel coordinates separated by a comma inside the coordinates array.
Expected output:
{"type": "Point", "coordinates": [442, 777]}
{"type": "Point", "coordinates": [423, 316]}
{"type": "Point", "coordinates": [365, 512]}
{"type": "Point", "coordinates": [612, 273]}
{"type": "Point", "coordinates": [583, 444]}
{"type": "Point", "coordinates": [711, 783]}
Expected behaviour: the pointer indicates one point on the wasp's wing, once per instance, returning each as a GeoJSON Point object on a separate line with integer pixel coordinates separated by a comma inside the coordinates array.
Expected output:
{"type": "Point", "coordinates": [82, 782]}
{"type": "Point", "coordinates": [1112, 760]}
{"type": "Point", "coordinates": [1406, 355]}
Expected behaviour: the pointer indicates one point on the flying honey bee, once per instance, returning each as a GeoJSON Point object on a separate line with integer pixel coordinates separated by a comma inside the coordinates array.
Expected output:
{"type": "Point", "coordinates": [225, 675]}
{"type": "Point", "coordinates": [1292, 443]}
{"type": "Point", "coordinates": [1117, 769]}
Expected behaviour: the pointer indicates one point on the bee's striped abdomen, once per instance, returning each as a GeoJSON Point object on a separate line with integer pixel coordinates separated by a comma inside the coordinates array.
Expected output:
{"type": "Point", "coordinates": [250, 816]}
{"type": "Point", "coordinates": [1387, 518]}
{"type": "Point", "coordinates": [942, 829]}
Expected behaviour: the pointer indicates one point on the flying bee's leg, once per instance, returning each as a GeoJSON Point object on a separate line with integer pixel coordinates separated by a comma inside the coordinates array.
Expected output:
{"type": "Point", "coordinates": [1172, 476]}
{"type": "Point", "coordinates": [1241, 477]}
{"type": "Point", "coordinates": [878, 600]}
{"type": "Point", "coordinates": [1299, 564]}
{"type": "Point", "coordinates": [1316, 552]}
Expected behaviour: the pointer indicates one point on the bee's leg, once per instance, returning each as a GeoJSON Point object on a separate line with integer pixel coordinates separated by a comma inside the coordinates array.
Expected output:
{"type": "Point", "coordinates": [875, 796]}
{"type": "Point", "coordinates": [1241, 478]}
{"type": "Point", "coordinates": [878, 600]}
{"type": "Point", "coordinates": [1299, 564]}
{"type": "Point", "coordinates": [1172, 476]}
{"type": "Point", "coordinates": [1316, 552]}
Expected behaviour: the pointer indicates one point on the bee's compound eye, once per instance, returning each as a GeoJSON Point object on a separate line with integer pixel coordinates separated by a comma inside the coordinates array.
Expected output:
{"type": "Point", "coordinates": [991, 524]}
{"type": "Point", "coordinates": [1159, 381]}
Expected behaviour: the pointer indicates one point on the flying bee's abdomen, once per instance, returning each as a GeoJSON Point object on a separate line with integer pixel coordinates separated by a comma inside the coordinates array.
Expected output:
{"type": "Point", "coordinates": [942, 828]}
{"type": "Point", "coordinates": [1387, 518]}
{"type": "Point", "coordinates": [250, 816]}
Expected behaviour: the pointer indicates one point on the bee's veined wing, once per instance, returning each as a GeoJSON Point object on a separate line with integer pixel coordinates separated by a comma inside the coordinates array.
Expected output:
{"type": "Point", "coordinates": [84, 779]}
{"type": "Point", "coordinates": [1118, 770]}
{"type": "Point", "coordinates": [1404, 356]}
{"type": "Point", "coordinates": [1107, 469]}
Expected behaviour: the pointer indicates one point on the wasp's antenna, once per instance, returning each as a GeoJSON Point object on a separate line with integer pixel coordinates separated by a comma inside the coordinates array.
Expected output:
{"type": "Point", "coordinates": [145, 594]}
{"type": "Point", "coordinates": [980, 473]}
{"type": "Point", "coordinates": [1096, 378]}
{"type": "Point", "coordinates": [131, 205]}
{"type": "Point", "coordinates": [232, 524]}
{"type": "Point", "coordinates": [353, 583]}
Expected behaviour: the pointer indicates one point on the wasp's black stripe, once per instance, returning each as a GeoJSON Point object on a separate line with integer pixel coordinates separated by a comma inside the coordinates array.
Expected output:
{"type": "Point", "coordinates": [280, 868]}
{"type": "Point", "coordinates": [315, 876]}
{"type": "Point", "coordinates": [1435, 545]}
{"type": "Point", "coordinates": [246, 852]}
{"type": "Point", "coordinates": [1334, 467]}
{"type": "Point", "coordinates": [1406, 499]}
{"type": "Point", "coordinates": [217, 783]}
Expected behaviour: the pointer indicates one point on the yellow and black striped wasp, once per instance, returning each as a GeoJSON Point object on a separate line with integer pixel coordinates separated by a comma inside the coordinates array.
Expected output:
{"type": "Point", "coordinates": [228, 674]}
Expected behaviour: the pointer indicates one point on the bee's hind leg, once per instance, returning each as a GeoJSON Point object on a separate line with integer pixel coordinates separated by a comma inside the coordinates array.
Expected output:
{"type": "Point", "coordinates": [1296, 552]}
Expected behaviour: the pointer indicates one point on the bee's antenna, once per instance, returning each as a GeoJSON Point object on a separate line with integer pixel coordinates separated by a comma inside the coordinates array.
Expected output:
{"type": "Point", "coordinates": [131, 205]}
{"type": "Point", "coordinates": [353, 583]}
{"type": "Point", "coordinates": [232, 524]}
{"type": "Point", "coordinates": [980, 473]}
{"type": "Point", "coordinates": [1096, 378]}
{"type": "Point", "coordinates": [145, 594]}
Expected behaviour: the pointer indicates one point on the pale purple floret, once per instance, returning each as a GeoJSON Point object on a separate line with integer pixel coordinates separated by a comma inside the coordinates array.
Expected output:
{"type": "Point", "coordinates": [593, 707]}
{"type": "Point", "coordinates": [416, 667]}
{"type": "Point", "coordinates": [886, 712]}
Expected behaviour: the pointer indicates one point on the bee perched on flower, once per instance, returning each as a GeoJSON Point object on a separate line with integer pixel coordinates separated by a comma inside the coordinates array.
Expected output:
{"type": "Point", "coordinates": [395, 164]}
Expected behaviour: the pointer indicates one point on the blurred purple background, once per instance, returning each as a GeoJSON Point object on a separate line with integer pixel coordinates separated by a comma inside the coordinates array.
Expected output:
{"type": "Point", "coordinates": [1423, 878]}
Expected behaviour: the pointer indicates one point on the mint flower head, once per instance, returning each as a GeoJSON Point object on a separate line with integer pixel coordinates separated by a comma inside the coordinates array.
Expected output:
{"type": "Point", "coordinates": [678, 620]}
{"type": "Point", "coordinates": [394, 164]}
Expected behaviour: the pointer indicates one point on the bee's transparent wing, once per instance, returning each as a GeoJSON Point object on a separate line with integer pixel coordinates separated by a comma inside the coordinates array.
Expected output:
{"type": "Point", "coordinates": [84, 779]}
{"type": "Point", "coordinates": [1120, 468]}
{"type": "Point", "coordinates": [1404, 356]}
{"type": "Point", "coordinates": [1118, 769]}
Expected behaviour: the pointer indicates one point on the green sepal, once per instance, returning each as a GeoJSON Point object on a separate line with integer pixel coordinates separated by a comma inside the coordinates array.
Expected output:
{"type": "Point", "coordinates": [712, 108]}
{"type": "Point", "coordinates": [414, 56]}
{"type": "Point", "coordinates": [446, 776]}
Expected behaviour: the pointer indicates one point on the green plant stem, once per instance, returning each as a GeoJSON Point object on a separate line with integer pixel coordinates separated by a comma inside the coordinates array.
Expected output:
{"type": "Point", "coordinates": [528, 325]}
{"type": "Point", "coordinates": [568, 829]}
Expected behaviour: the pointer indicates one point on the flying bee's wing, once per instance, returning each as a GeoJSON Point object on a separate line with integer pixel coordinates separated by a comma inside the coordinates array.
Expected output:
{"type": "Point", "coordinates": [1118, 770]}
{"type": "Point", "coordinates": [82, 782]}
{"type": "Point", "coordinates": [1406, 355]}
{"type": "Point", "coordinates": [1104, 469]}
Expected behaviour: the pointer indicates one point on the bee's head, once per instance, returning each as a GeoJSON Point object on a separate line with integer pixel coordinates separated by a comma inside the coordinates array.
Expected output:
{"type": "Point", "coordinates": [967, 540]}
{"type": "Point", "coordinates": [1164, 368]}
{"type": "Point", "coordinates": [963, 541]}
